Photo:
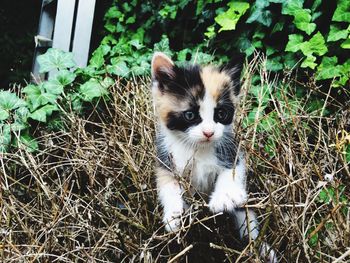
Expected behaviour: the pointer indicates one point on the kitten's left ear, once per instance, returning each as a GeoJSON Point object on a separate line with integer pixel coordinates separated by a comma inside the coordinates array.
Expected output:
{"type": "Point", "coordinates": [162, 67]}
{"type": "Point", "coordinates": [234, 69]}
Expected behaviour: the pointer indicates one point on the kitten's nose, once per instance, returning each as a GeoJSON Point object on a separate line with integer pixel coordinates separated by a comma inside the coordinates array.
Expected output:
{"type": "Point", "coordinates": [208, 134]}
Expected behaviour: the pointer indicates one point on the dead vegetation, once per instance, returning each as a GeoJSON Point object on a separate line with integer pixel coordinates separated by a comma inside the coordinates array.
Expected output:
{"type": "Point", "coordinates": [89, 194]}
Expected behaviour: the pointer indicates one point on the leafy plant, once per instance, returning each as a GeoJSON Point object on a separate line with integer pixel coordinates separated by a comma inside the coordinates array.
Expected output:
{"type": "Point", "coordinates": [286, 31]}
{"type": "Point", "coordinates": [41, 101]}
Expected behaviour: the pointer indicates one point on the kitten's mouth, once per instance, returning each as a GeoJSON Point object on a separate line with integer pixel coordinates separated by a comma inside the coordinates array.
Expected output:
{"type": "Point", "coordinates": [205, 141]}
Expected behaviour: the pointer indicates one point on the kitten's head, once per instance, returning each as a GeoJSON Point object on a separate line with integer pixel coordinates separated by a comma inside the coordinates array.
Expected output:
{"type": "Point", "coordinates": [196, 104]}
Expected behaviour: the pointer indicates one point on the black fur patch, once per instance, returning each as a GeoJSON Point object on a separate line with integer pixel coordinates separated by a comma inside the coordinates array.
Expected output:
{"type": "Point", "coordinates": [225, 102]}
{"type": "Point", "coordinates": [185, 82]}
{"type": "Point", "coordinates": [163, 155]}
{"type": "Point", "coordinates": [234, 69]}
{"type": "Point", "coordinates": [227, 151]}
{"type": "Point", "coordinates": [176, 121]}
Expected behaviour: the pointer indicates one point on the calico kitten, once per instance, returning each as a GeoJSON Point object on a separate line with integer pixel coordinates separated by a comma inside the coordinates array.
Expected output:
{"type": "Point", "coordinates": [195, 108]}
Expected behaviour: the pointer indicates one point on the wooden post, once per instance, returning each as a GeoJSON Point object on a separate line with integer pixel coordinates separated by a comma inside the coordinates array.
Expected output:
{"type": "Point", "coordinates": [45, 31]}
{"type": "Point", "coordinates": [82, 33]}
{"type": "Point", "coordinates": [57, 31]}
{"type": "Point", "coordinates": [63, 24]}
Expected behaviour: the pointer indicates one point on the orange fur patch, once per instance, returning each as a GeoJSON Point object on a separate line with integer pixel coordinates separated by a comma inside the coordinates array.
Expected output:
{"type": "Point", "coordinates": [164, 177]}
{"type": "Point", "coordinates": [214, 80]}
{"type": "Point", "coordinates": [165, 104]}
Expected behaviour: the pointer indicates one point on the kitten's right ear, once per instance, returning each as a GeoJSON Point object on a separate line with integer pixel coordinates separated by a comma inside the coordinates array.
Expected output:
{"type": "Point", "coordinates": [162, 68]}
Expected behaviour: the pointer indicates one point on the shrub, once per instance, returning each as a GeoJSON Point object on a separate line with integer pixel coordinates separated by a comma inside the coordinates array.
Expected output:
{"type": "Point", "coordinates": [314, 33]}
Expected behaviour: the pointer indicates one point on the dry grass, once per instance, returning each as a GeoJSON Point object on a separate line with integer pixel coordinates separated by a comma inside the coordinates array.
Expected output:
{"type": "Point", "coordinates": [89, 195]}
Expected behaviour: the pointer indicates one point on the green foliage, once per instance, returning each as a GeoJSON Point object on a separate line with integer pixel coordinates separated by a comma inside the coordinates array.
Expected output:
{"type": "Point", "coordinates": [201, 32]}
{"type": "Point", "coordinates": [288, 32]}
{"type": "Point", "coordinates": [92, 89]}
{"type": "Point", "coordinates": [315, 46]}
{"type": "Point", "coordinates": [336, 195]}
{"type": "Point", "coordinates": [55, 59]}
{"type": "Point", "coordinates": [9, 102]}
{"type": "Point", "coordinates": [42, 101]}
{"type": "Point", "coordinates": [228, 20]}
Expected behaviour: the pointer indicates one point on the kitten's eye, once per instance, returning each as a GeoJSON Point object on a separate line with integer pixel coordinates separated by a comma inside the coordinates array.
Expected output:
{"type": "Point", "coordinates": [189, 115]}
{"type": "Point", "coordinates": [221, 114]}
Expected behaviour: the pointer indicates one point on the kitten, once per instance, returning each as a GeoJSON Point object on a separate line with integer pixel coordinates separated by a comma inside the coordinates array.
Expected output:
{"type": "Point", "coordinates": [195, 108]}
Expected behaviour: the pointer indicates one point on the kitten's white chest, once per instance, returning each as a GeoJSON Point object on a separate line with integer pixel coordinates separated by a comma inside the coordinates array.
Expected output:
{"type": "Point", "coordinates": [202, 164]}
{"type": "Point", "coordinates": [206, 170]}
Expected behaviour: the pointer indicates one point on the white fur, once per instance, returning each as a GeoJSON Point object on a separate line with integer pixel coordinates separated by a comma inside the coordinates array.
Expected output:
{"type": "Point", "coordinates": [173, 204]}
{"type": "Point", "coordinates": [229, 190]}
{"type": "Point", "coordinates": [248, 228]}
{"type": "Point", "coordinates": [247, 223]}
{"type": "Point", "coordinates": [227, 187]}
{"type": "Point", "coordinates": [202, 160]}
{"type": "Point", "coordinates": [267, 252]}
{"type": "Point", "coordinates": [206, 112]}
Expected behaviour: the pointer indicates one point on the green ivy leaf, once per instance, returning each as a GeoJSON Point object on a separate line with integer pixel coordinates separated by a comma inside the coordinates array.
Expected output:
{"type": "Point", "coordinates": [130, 20]}
{"type": "Point", "coordinates": [141, 69]}
{"type": "Point", "coordinates": [309, 62]}
{"type": "Point", "coordinates": [43, 112]}
{"type": "Point", "coordinates": [277, 27]}
{"type": "Point", "coordinates": [22, 114]}
{"type": "Point", "coordinates": [315, 5]}
{"type": "Point", "coordinates": [336, 33]}
{"type": "Point", "coordinates": [38, 97]}
{"type": "Point", "coordinates": [268, 123]}
{"type": "Point", "coordinates": [313, 240]}
{"type": "Point", "coordinates": [119, 68]}
{"type": "Point", "coordinates": [92, 89]}
{"type": "Point", "coordinates": [53, 86]}
{"type": "Point", "coordinates": [5, 137]}
{"type": "Point", "coordinates": [294, 43]}
{"type": "Point", "coordinates": [346, 44]}
{"type": "Point", "coordinates": [163, 46]}
{"type": "Point", "coordinates": [328, 69]}
{"type": "Point", "coordinates": [306, 27]}
{"type": "Point", "coordinates": [18, 126]}
{"type": "Point", "coordinates": [65, 77]}
{"type": "Point", "coordinates": [201, 58]}
{"type": "Point", "coordinates": [270, 50]}
{"type": "Point", "coordinates": [302, 17]}
{"type": "Point", "coordinates": [274, 64]}
{"type": "Point", "coordinates": [55, 59]}
{"type": "Point", "coordinates": [113, 12]}
{"type": "Point", "coordinates": [315, 45]}
{"type": "Point", "coordinates": [347, 153]}
{"type": "Point", "coordinates": [260, 14]}
{"type": "Point", "coordinates": [4, 114]}
{"type": "Point", "coordinates": [229, 19]}
{"type": "Point", "coordinates": [210, 33]}
{"type": "Point", "coordinates": [29, 142]}
{"type": "Point", "coordinates": [97, 60]}
{"type": "Point", "coordinates": [107, 82]}
{"type": "Point", "coordinates": [342, 12]}
{"type": "Point", "coordinates": [10, 101]}
{"type": "Point", "coordinates": [289, 60]}
{"type": "Point", "coordinates": [136, 43]}
{"type": "Point", "coordinates": [182, 54]}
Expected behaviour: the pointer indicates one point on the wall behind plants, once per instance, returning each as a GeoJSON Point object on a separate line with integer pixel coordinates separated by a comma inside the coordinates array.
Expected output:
{"type": "Point", "coordinates": [18, 24]}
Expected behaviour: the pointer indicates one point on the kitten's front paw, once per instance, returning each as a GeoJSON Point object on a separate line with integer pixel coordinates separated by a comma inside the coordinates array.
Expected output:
{"type": "Point", "coordinates": [267, 253]}
{"type": "Point", "coordinates": [172, 220]}
{"type": "Point", "coordinates": [227, 199]}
